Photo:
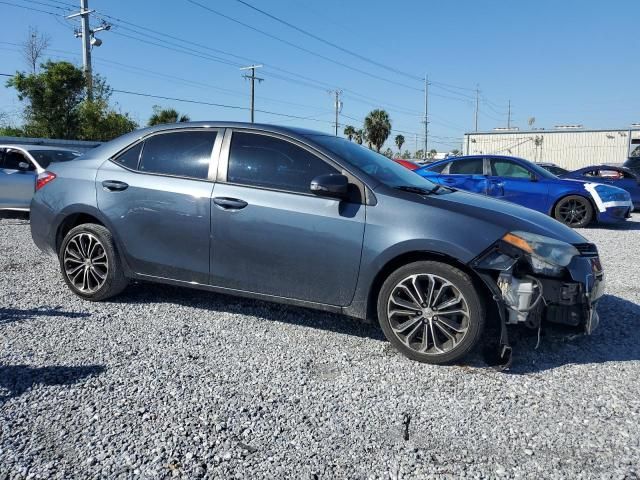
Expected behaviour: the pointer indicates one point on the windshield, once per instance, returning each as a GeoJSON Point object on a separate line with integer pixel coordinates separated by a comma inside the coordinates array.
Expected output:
{"type": "Point", "coordinates": [374, 164]}
{"type": "Point", "coordinates": [46, 157]}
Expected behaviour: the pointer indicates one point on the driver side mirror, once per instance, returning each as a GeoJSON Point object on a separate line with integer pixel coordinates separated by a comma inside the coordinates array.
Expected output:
{"type": "Point", "coordinates": [334, 185]}
{"type": "Point", "coordinates": [533, 177]}
{"type": "Point", "coordinates": [24, 166]}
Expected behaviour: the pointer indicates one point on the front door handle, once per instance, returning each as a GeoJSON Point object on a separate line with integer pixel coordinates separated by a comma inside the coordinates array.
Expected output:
{"type": "Point", "coordinates": [226, 203]}
{"type": "Point", "coordinates": [114, 185]}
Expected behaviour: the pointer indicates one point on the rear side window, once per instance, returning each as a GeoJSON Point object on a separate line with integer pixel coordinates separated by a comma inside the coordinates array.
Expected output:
{"type": "Point", "coordinates": [13, 158]}
{"type": "Point", "coordinates": [265, 161]}
{"type": "Point", "coordinates": [471, 166]}
{"type": "Point", "coordinates": [130, 157]}
{"type": "Point", "coordinates": [184, 154]}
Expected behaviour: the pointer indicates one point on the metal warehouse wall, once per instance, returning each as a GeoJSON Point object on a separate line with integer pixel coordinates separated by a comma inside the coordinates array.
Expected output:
{"type": "Point", "coordinates": [569, 149]}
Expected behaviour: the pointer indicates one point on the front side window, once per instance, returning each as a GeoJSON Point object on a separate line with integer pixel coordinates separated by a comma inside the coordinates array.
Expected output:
{"type": "Point", "coordinates": [269, 162]}
{"type": "Point", "coordinates": [508, 169]}
{"type": "Point", "coordinates": [471, 166]}
{"type": "Point", "coordinates": [183, 154]}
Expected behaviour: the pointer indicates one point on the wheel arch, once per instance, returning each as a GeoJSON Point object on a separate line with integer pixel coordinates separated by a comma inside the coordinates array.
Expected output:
{"type": "Point", "coordinates": [77, 215]}
{"type": "Point", "coordinates": [415, 256]}
{"type": "Point", "coordinates": [574, 194]}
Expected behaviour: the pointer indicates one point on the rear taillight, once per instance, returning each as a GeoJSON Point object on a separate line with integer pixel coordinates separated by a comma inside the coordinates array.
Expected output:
{"type": "Point", "coordinates": [43, 179]}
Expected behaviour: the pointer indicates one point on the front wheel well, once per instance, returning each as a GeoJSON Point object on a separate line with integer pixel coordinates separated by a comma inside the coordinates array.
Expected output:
{"type": "Point", "coordinates": [72, 221]}
{"type": "Point", "coordinates": [410, 257]}
{"type": "Point", "coordinates": [588, 199]}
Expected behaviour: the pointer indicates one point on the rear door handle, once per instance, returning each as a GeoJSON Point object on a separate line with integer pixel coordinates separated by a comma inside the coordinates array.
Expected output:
{"type": "Point", "coordinates": [226, 203]}
{"type": "Point", "coordinates": [114, 185]}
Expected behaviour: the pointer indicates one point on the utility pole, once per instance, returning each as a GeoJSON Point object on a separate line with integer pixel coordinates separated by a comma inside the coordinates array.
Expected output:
{"type": "Point", "coordinates": [338, 107]}
{"type": "Point", "coordinates": [477, 106]}
{"type": "Point", "coordinates": [509, 116]}
{"type": "Point", "coordinates": [416, 150]}
{"type": "Point", "coordinates": [88, 41]}
{"type": "Point", "coordinates": [426, 115]}
{"type": "Point", "coordinates": [253, 78]}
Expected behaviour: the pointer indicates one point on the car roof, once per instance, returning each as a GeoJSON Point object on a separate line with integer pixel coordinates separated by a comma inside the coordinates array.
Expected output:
{"type": "Point", "coordinates": [547, 164]}
{"type": "Point", "coordinates": [220, 124]}
{"type": "Point", "coordinates": [26, 146]}
{"type": "Point", "coordinates": [478, 155]}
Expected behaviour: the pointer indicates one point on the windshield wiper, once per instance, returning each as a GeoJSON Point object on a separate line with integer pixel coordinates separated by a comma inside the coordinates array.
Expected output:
{"type": "Point", "coordinates": [418, 190]}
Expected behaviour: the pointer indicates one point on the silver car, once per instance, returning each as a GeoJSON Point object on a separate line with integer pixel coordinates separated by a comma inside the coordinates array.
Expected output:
{"type": "Point", "coordinates": [20, 166]}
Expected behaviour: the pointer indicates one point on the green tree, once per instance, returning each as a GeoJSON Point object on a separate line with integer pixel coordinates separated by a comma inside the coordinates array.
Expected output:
{"type": "Point", "coordinates": [406, 155]}
{"type": "Point", "coordinates": [420, 154]}
{"type": "Point", "coordinates": [101, 123]}
{"type": "Point", "coordinates": [166, 115]}
{"type": "Point", "coordinates": [52, 99]}
{"type": "Point", "coordinates": [377, 126]}
{"type": "Point", "coordinates": [455, 152]}
{"type": "Point", "coordinates": [388, 153]}
{"type": "Point", "coordinates": [56, 105]}
{"type": "Point", "coordinates": [359, 136]}
{"type": "Point", "coordinates": [349, 132]}
{"type": "Point", "coordinates": [399, 142]}
{"type": "Point", "coordinates": [432, 153]}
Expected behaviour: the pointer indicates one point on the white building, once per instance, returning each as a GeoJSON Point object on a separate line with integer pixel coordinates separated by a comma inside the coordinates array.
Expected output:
{"type": "Point", "coordinates": [569, 148]}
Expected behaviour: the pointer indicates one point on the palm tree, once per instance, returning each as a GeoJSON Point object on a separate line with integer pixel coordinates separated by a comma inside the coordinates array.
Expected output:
{"type": "Point", "coordinates": [166, 115]}
{"type": "Point", "coordinates": [359, 136]}
{"type": "Point", "coordinates": [377, 126]}
{"type": "Point", "coordinates": [350, 132]}
{"type": "Point", "coordinates": [399, 142]}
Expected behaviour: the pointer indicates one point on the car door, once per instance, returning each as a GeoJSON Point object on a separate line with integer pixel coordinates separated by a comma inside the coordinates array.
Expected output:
{"type": "Point", "coordinates": [16, 184]}
{"type": "Point", "coordinates": [157, 197]}
{"type": "Point", "coordinates": [270, 234]}
{"type": "Point", "coordinates": [514, 182]}
{"type": "Point", "coordinates": [466, 174]}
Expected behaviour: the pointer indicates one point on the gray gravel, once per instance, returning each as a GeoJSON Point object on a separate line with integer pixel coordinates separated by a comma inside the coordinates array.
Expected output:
{"type": "Point", "coordinates": [165, 382]}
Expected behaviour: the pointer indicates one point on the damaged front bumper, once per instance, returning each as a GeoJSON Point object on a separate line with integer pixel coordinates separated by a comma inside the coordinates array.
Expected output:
{"type": "Point", "coordinates": [567, 296]}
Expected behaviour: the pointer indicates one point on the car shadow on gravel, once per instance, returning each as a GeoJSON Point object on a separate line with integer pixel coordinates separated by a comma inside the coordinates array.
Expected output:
{"type": "Point", "coordinates": [617, 339]}
{"type": "Point", "coordinates": [10, 214]}
{"type": "Point", "coordinates": [145, 293]}
{"type": "Point", "coordinates": [17, 379]}
{"type": "Point", "coordinates": [629, 225]}
{"type": "Point", "coordinates": [9, 315]}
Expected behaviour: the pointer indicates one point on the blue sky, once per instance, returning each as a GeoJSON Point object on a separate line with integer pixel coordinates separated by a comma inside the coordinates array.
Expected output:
{"type": "Point", "coordinates": [562, 62]}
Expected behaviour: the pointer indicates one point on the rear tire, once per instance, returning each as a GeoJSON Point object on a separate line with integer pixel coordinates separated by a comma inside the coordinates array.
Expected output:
{"type": "Point", "coordinates": [89, 263]}
{"type": "Point", "coordinates": [431, 312]}
{"type": "Point", "coordinates": [574, 211]}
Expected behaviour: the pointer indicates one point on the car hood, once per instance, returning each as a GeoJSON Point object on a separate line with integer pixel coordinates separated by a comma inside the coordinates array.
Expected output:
{"type": "Point", "coordinates": [506, 216]}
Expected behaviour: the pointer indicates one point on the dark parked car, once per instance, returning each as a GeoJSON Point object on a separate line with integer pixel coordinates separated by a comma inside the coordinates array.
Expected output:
{"type": "Point", "coordinates": [553, 168]}
{"type": "Point", "coordinates": [573, 202]}
{"type": "Point", "coordinates": [305, 218]}
{"type": "Point", "coordinates": [633, 164]}
{"type": "Point", "coordinates": [620, 177]}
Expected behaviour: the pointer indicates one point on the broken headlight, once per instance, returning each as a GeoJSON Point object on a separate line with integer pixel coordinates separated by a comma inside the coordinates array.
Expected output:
{"type": "Point", "coordinates": [547, 256]}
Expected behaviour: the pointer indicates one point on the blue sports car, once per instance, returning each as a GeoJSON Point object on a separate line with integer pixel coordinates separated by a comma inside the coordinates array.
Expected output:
{"type": "Point", "coordinates": [620, 177]}
{"type": "Point", "coordinates": [575, 203]}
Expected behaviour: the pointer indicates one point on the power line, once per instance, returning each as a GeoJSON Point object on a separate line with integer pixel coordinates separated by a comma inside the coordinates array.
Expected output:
{"type": "Point", "coordinates": [327, 42]}
{"type": "Point", "coordinates": [298, 47]}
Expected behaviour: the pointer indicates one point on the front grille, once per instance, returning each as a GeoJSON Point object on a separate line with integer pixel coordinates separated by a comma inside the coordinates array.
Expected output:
{"type": "Point", "coordinates": [586, 249]}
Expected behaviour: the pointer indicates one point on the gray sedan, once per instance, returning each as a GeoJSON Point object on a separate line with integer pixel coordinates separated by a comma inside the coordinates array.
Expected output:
{"type": "Point", "coordinates": [20, 166]}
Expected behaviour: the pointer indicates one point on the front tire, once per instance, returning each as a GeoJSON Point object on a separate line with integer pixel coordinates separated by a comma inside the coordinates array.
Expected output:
{"type": "Point", "coordinates": [90, 264]}
{"type": "Point", "coordinates": [431, 312]}
{"type": "Point", "coordinates": [574, 211]}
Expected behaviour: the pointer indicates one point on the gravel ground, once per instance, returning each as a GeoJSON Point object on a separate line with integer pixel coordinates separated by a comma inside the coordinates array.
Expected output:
{"type": "Point", "coordinates": [165, 382]}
